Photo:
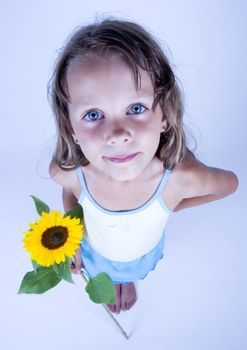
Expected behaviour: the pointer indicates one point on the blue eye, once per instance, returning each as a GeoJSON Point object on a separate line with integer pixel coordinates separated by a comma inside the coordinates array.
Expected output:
{"type": "Point", "coordinates": [137, 109]}
{"type": "Point", "coordinates": [92, 116]}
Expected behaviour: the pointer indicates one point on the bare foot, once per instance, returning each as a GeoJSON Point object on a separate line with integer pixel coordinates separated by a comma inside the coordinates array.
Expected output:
{"type": "Point", "coordinates": [116, 308]}
{"type": "Point", "coordinates": [125, 297]}
{"type": "Point", "coordinates": [128, 296]}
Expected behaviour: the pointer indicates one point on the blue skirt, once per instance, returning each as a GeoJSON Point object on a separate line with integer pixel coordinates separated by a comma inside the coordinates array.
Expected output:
{"type": "Point", "coordinates": [121, 272]}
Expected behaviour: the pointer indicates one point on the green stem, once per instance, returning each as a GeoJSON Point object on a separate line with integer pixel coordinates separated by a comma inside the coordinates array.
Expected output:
{"type": "Point", "coordinates": [86, 279]}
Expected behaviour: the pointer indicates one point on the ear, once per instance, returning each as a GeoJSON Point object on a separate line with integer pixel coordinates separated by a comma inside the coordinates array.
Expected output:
{"type": "Point", "coordinates": [163, 126]}
{"type": "Point", "coordinates": [74, 138]}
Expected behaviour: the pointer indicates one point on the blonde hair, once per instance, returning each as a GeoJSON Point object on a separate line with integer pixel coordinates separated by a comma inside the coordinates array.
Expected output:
{"type": "Point", "coordinates": [141, 51]}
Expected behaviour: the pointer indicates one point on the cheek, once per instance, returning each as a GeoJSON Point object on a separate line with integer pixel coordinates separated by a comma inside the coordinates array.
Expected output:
{"type": "Point", "coordinates": [85, 133]}
{"type": "Point", "coordinates": [150, 129]}
{"type": "Point", "coordinates": [89, 142]}
{"type": "Point", "coordinates": [150, 135]}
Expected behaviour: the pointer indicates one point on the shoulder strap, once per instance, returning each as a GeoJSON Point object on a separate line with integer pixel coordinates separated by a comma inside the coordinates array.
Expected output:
{"type": "Point", "coordinates": [82, 182]}
{"type": "Point", "coordinates": [80, 176]}
{"type": "Point", "coordinates": [163, 181]}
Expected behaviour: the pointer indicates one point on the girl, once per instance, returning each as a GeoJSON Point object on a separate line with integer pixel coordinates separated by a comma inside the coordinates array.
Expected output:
{"type": "Point", "coordinates": [121, 151]}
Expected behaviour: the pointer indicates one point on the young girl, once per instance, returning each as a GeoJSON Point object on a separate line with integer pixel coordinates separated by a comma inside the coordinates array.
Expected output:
{"type": "Point", "coordinates": [121, 151]}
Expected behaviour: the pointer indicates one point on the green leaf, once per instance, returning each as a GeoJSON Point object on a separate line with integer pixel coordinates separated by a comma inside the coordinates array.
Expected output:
{"type": "Point", "coordinates": [40, 206]}
{"type": "Point", "coordinates": [76, 212]}
{"type": "Point", "coordinates": [101, 289]}
{"type": "Point", "coordinates": [63, 270]}
{"type": "Point", "coordinates": [35, 265]}
{"type": "Point", "coordinates": [44, 279]}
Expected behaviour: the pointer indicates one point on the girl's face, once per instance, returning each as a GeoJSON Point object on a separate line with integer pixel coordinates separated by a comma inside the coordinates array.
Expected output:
{"type": "Point", "coordinates": [113, 121]}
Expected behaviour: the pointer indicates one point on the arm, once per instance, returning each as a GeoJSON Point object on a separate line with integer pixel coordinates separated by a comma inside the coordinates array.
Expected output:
{"type": "Point", "coordinates": [71, 188]}
{"type": "Point", "coordinates": [69, 199]}
{"type": "Point", "coordinates": [69, 202]}
{"type": "Point", "coordinates": [202, 184]}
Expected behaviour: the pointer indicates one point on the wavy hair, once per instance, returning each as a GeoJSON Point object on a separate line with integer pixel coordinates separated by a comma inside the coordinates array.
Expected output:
{"type": "Point", "coordinates": [141, 51]}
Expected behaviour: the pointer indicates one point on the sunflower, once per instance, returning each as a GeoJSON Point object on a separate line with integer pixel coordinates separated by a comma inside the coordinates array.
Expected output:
{"type": "Point", "coordinates": [53, 238]}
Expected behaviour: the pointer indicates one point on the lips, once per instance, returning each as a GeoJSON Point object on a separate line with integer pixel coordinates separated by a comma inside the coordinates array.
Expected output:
{"type": "Point", "coordinates": [122, 158]}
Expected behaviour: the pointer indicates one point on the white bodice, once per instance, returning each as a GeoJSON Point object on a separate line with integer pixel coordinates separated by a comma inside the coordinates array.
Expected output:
{"type": "Point", "coordinates": [124, 235]}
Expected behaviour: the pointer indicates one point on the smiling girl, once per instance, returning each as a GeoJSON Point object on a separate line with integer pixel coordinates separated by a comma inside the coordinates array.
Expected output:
{"type": "Point", "coordinates": [121, 151]}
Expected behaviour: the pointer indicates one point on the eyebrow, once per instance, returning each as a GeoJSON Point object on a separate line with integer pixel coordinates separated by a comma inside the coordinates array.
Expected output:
{"type": "Point", "coordinates": [85, 101]}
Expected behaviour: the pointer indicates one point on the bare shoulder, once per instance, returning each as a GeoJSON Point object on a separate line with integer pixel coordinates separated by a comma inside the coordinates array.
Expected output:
{"type": "Point", "coordinates": [178, 180]}
{"type": "Point", "coordinates": [185, 172]}
{"type": "Point", "coordinates": [192, 178]}
{"type": "Point", "coordinates": [68, 179]}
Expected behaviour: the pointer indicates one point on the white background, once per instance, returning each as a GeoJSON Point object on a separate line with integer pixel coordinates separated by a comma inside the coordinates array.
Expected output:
{"type": "Point", "coordinates": [196, 298]}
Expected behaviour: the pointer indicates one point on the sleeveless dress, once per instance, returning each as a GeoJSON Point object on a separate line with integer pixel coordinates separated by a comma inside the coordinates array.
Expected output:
{"type": "Point", "coordinates": [125, 244]}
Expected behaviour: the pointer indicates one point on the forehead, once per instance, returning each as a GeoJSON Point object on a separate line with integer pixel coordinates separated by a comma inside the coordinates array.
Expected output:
{"type": "Point", "coordinates": [91, 77]}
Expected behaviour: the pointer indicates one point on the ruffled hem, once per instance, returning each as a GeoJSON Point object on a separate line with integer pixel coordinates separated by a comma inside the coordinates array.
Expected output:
{"type": "Point", "coordinates": [121, 272]}
{"type": "Point", "coordinates": [130, 281]}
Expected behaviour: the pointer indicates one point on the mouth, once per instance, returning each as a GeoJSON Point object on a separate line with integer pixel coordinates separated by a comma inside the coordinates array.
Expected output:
{"type": "Point", "coordinates": [122, 158]}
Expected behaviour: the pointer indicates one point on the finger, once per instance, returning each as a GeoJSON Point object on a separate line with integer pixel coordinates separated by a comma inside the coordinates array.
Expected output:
{"type": "Point", "coordinates": [78, 261]}
{"type": "Point", "coordinates": [72, 266]}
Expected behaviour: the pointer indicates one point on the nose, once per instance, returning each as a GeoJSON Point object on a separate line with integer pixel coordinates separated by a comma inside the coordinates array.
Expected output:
{"type": "Point", "coordinates": [118, 136]}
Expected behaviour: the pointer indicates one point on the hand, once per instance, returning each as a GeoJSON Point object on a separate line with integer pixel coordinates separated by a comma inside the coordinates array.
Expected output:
{"type": "Point", "coordinates": [77, 264]}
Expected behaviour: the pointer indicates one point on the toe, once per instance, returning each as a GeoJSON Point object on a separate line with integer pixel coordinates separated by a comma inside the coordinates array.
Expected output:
{"type": "Point", "coordinates": [115, 308]}
{"type": "Point", "coordinates": [128, 296]}
{"type": "Point", "coordinates": [110, 307]}
{"type": "Point", "coordinates": [118, 308]}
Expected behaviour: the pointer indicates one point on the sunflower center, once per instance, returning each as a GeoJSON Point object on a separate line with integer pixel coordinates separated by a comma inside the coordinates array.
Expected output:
{"type": "Point", "coordinates": [54, 237]}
